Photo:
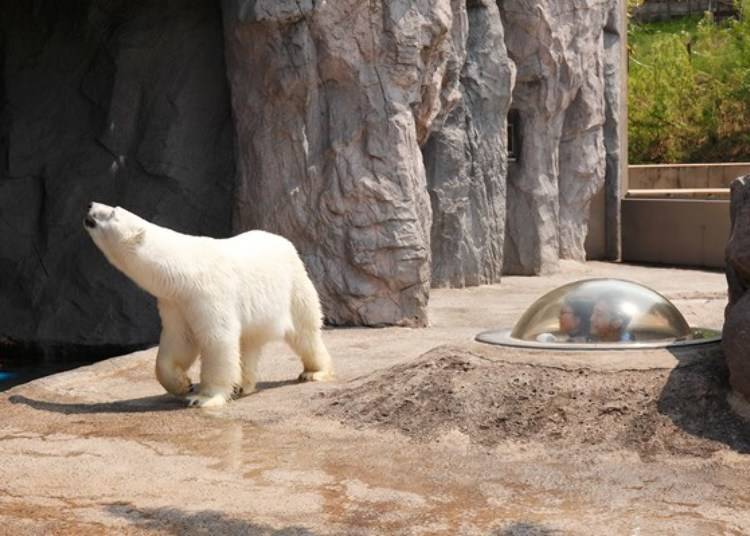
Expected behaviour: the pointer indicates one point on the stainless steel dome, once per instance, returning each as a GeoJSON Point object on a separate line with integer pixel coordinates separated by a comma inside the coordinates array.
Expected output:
{"type": "Point", "coordinates": [600, 313]}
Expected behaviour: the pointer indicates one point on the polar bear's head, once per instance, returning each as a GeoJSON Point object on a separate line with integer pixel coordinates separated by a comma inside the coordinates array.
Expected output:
{"type": "Point", "coordinates": [115, 231]}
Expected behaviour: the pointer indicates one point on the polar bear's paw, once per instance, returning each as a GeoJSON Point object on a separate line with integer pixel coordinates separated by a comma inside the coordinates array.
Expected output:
{"type": "Point", "coordinates": [317, 376]}
{"type": "Point", "coordinates": [206, 401]}
{"type": "Point", "coordinates": [243, 390]}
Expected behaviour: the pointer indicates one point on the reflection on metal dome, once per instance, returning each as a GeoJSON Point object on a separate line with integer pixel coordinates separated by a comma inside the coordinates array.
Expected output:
{"type": "Point", "coordinates": [601, 313]}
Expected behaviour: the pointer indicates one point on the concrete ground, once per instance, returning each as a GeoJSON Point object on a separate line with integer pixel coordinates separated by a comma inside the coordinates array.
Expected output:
{"type": "Point", "coordinates": [101, 449]}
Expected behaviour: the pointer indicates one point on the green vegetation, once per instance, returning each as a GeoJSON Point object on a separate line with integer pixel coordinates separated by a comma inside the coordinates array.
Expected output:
{"type": "Point", "coordinates": [689, 90]}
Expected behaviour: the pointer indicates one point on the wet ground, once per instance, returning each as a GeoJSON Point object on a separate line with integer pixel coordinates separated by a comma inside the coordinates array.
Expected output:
{"type": "Point", "coordinates": [424, 432]}
{"type": "Point", "coordinates": [23, 370]}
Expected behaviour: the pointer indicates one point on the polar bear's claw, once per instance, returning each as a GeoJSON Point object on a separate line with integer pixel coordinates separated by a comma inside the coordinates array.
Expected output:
{"type": "Point", "coordinates": [319, 376]}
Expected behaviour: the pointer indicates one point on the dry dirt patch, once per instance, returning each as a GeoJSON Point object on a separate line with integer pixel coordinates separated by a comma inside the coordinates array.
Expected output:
{"type": "Point", "coordinates": [678, 411]}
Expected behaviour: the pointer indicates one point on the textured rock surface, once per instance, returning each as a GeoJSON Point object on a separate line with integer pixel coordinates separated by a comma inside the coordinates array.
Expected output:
{"type": "Point", "coordinates": [372, 135]}
{"type": "Point", "coordinates": [736, 333]}
{"type": "Point", "coordinates": [112, 101]}
{"type": "Point", "coordinates": [615, 125]}
{"type": "Point", "coordinates": [466, 161]}
{"type": "Point", "coordinates": [559, 94]}
{"type": "Point", "coordinates": [331, 103]}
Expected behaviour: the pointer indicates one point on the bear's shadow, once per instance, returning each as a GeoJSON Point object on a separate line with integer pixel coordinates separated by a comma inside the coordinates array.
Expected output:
{"type": "Point", "coordinates": [146, 404]}
{"type": "Point", "coordinates": [197, 523]}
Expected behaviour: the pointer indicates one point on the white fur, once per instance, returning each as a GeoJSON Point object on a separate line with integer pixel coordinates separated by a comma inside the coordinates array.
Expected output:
{"type": "Point", "coordinates": [222, 299]}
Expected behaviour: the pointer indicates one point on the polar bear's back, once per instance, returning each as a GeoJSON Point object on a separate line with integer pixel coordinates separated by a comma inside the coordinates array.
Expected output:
{"type": "Point", "coordinates": [271, 274]}
{"type": "Point", "coordinates": [262, 254]}
{"type": "Point", "coordinates": [263, 249]}
{"type": "Point", "coordinates": [261, 240]}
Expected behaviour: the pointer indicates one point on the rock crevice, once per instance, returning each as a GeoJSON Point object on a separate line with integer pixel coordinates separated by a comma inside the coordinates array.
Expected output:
{"type": "Point", "coordinates": [559, 95]}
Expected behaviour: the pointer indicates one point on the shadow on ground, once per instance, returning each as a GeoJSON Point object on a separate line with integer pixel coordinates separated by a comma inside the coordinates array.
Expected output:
{"type": "Point", "coordinates": [525, 529]}
{"type": "Point", "coordinates": [262, 386]}
{"type": "Point", "coordinates": [694, 398]}
{"type": "Point", "coordinates": [147, 404]}
{"type": "Point", "coordinates": [204, 523]}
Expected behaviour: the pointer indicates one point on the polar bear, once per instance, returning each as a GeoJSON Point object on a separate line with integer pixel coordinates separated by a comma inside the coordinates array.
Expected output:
{"type": "Point", "coordinates": [222, 299]}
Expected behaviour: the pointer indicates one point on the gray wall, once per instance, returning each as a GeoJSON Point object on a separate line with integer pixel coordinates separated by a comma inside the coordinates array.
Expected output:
{"type": "Point", "coordinates": [119, 102]}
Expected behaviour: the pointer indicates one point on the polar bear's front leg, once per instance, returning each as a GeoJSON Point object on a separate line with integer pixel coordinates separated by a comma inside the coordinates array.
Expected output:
{"type": "Point", "coordinates": [177, 352]}
{"type": "Point", "coordinates": [220, 372]}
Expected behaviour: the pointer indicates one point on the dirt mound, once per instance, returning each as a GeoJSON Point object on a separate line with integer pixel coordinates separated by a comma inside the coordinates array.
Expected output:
{"type": "Point", "coordinates": [679, 411]}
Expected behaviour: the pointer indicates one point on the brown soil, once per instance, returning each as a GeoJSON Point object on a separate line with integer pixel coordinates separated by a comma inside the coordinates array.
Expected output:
{"type": "Point", "coordinates": [680, 411]}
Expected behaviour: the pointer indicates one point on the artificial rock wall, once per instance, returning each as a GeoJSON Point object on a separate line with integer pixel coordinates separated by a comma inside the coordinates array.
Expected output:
{"type": "Point", "coordinates": [736, 332]}
{"type": "Point", "coordinates": [559, 51]}
{"type": "Point", "coordinates": [113, 101]}
{"type": "Point", "coordinates": [332, 101]}
{"type": "Point", "coordinates": [466, 160]}
{"type": "Point", "coordinates": [333, 106]}
{"type": "Point", "coordinates": [373, 135]}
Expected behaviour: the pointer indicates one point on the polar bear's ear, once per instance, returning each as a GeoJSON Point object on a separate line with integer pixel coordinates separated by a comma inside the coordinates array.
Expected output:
{"type": "Point", "coordinates": [135, 238]}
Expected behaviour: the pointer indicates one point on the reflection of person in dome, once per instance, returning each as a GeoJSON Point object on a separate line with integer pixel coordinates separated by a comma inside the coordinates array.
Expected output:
{"type": "Point", "coordinates": [609, 322]}
{"type": "Point", "coordinates": [574, 320]}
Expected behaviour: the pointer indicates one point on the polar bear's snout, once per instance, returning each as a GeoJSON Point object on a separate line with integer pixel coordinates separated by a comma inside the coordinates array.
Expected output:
{"type": "Point", "coordinates": [96, 214]}
{"type": "Point", "coordinates": [90, 220]}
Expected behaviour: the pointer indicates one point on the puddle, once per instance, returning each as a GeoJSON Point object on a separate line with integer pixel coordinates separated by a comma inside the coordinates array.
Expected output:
{"type": "Point", "coordinates": [15, 372]}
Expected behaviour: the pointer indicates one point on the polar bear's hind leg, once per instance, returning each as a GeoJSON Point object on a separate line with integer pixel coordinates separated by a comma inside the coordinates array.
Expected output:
{"type": "Point", "coordinates": [308, 345]}
{"type": "Point", "coordinates": [305, 337]}
{"type": "Point", "coordinates": [251, 350]}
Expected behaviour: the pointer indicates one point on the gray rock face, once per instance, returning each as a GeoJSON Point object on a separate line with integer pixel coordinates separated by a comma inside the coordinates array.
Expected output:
{"type": "Point", "coordinates": [736, 332]}
{"type": "Point", "coordinates": [558, 48]}
{"type": "Point", "coordinates": [466, 161]}
{"type": "Point", "coordinates": [332, 101]}
{"type": "Point", "coordinates": [111, 101]}
{"type": "Point", "coordinates": [615, 125]}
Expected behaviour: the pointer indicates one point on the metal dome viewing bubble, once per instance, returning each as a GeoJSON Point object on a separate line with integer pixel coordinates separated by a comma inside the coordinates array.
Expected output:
{"type": "Point", "coordinates": [601, 313]}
